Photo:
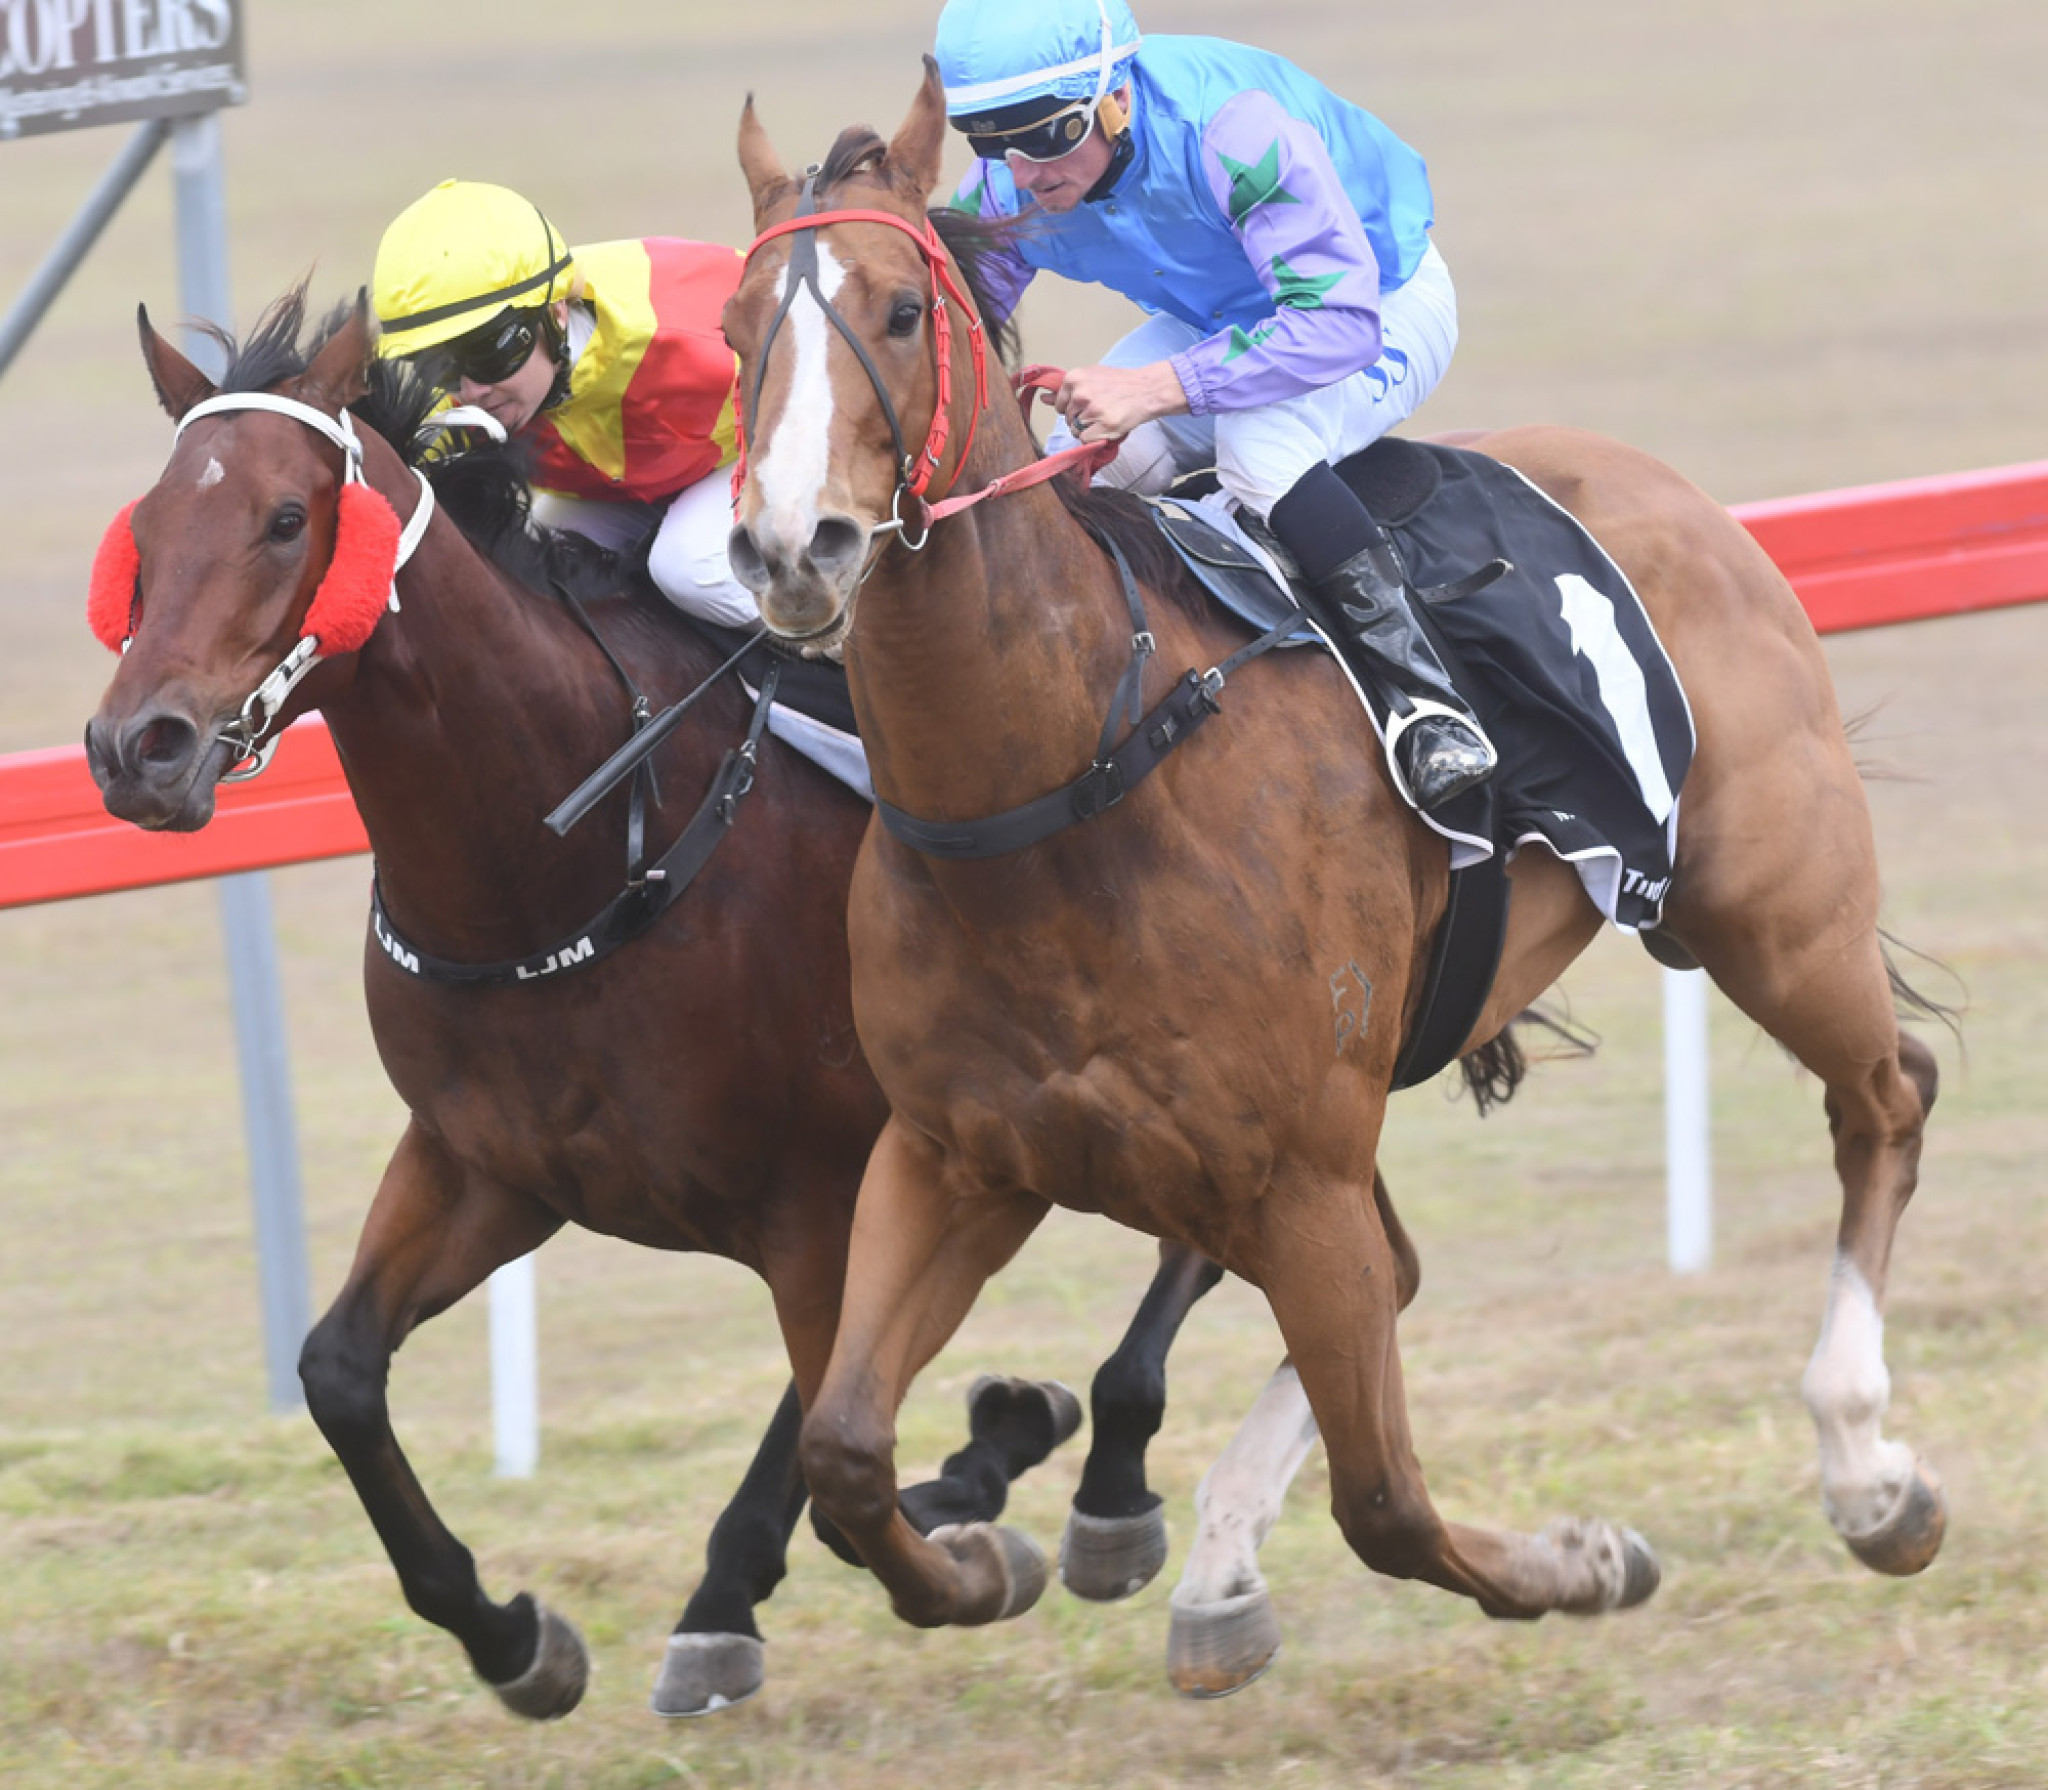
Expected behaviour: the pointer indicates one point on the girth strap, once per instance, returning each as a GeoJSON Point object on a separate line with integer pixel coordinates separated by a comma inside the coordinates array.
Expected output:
{"type": "Point", "coordinates": [1116, 771]}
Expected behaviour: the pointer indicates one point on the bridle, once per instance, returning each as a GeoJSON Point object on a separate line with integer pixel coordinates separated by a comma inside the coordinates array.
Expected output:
{"type": "Point", "coordinates": [250, 732]}
{"type": "Point", "coordinates": [914, 471]}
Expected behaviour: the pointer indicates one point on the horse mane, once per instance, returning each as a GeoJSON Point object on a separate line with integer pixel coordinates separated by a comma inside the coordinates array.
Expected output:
{"type": "Point", "coordinates": [485, 490]}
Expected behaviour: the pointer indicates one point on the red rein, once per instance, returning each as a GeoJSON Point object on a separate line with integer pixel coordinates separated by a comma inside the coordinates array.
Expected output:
{"type": "Point", "coordinates": [345, 608]}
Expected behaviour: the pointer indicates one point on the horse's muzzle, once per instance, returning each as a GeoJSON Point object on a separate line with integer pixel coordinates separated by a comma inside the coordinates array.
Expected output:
{"type": "Point", "coordinates": [155, 770]}
{"type": "Point", "coordinates": [803, 589]}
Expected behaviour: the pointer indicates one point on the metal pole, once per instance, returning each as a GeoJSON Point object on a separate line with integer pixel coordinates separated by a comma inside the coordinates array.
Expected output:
{"type": "Point", "coordinates": [245, 913]}
{"type": "Point", "coordinates": [1689, 1192]}
{"type": "Point", "coordinates": [71, 248]}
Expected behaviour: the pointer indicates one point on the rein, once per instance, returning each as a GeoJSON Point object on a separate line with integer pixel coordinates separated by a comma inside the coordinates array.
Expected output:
{"type": "Point", "coordinates": [1115, 769]}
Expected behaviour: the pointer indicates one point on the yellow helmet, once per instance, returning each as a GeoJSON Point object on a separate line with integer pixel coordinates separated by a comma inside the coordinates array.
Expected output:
{"type": "Point", "coordinates": [454, 259]}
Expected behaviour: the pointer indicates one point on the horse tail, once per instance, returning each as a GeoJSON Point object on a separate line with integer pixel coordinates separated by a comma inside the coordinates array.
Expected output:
{"type": "Point", "coordinates": [1494, 1071]}
{"type": "Point", "coordinates": [1909, 1002]}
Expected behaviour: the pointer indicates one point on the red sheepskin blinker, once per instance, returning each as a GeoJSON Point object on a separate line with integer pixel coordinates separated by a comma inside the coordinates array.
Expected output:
{"type": "Point", "coordinates": [110, 604]}
{"type": "Point", "coordinates": [345, 607]}
{"type": "Point", "coordinates": [352, 595]}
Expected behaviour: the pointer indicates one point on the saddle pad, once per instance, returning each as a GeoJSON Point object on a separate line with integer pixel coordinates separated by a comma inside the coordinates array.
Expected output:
{"type": "Point", "coordinates": [1556, 656]}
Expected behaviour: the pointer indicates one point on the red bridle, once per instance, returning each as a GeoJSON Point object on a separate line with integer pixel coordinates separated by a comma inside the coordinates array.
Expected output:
{"type": "Point", "coordinates": [914, 472]}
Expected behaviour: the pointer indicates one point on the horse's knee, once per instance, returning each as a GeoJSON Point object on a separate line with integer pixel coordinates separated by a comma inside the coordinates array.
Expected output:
{"type": "Point", "coordinates": [344, 1385]}
{"type": "Point", "coordinates": [849, 1470]}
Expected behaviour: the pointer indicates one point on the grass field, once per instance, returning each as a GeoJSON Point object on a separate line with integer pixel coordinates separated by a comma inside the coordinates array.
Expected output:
{"type": "Point", "coordinates": [1786, 246]}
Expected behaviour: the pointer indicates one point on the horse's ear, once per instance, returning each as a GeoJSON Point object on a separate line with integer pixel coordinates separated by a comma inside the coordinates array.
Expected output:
{"type": "Point", "coordinates": [919, 143]}
{"type": "Point", "coordinates": [766, 176]}
{"type": "Point", "coordinates": [340, 371]}
{"type": "Point", "coordinates": [179, 384]}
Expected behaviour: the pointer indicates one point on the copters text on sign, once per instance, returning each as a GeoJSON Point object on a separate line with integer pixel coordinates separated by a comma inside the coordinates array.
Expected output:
{"type": "Point", "coordinates": [65, 64]}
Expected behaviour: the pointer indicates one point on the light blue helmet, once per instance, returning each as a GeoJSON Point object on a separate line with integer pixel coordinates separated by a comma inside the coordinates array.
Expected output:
{"type": "Point", "coordinates": [992, 54]}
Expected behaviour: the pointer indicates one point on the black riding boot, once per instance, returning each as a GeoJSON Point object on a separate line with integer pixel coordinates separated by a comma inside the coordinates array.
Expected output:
{"type": "Point", "coordinates": [1350, 565]}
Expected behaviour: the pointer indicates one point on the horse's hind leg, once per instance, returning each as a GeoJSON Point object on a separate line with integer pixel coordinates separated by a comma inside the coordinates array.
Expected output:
{"type": "Point", "coordinates": [1116, 1532]}
{"type": "Point", "coordinates": [1335, 1281]}
{"type": "Point", "coordinates": [1224, 1630]}
{"type": "Point", "coordinates": [1831, 1005]}
{"type": "Point", "coordinates": [433, 1234]}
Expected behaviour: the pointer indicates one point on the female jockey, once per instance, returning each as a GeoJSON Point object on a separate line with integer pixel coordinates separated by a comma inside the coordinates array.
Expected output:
{"type": "Point", "coordinates": [611, 364]}
{"type": "Point", "coordinates": [1279, 237]}
{"type": "Point", "coordinates": [609, 361]}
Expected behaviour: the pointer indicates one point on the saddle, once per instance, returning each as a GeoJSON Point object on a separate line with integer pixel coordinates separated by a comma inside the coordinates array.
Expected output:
{"type": "Point", "coordinates": [1545, 638]}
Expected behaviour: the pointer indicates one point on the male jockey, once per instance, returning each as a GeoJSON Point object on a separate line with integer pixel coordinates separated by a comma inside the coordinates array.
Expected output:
{"type": "Point", "coordinates": [1279, 237]}
{"type": "Point", "coordinates": [608, 360]}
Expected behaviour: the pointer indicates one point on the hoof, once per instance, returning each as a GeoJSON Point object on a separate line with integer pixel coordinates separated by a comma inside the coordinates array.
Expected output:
{"type": "Point", "coordinates": [1907, 1541]}
{"type": "Point", "coordinates": [1018, 1562]}
{"type": "Point", "coordinates": [706, 1672]}
{"type": "Point", "coordinates": [1106, 1558]}
{"type": "Point", "coordinates": [553, 1685]}
{"type": "Point", "coordinates": [1608, 1567]}
{"type": "Point", "coordinates": [1214, 1649]}
{"type": "Point", "coordinates": [1004, 1395]}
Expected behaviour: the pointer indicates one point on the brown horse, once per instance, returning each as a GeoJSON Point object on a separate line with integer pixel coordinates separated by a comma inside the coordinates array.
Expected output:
{"type": "Point", "coordinates": [699, 1089]}
{"type": "Point", "coordinates": [1138, 1008]}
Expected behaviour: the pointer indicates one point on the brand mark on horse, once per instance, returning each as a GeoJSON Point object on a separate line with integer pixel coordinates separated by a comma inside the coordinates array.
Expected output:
{"type": "Point", "coordinates": [1351, 995]}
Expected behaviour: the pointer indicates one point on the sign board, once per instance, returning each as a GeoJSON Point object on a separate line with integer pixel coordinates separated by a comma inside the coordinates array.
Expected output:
{"type": "Point", "coordinates": [66, 64]}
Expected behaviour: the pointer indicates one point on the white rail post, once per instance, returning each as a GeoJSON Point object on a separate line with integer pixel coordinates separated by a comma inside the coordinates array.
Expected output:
{"type": "Point", "coordinates": [1688, 1177]}
{"type": "Point", "coordinates": [515, 1356]}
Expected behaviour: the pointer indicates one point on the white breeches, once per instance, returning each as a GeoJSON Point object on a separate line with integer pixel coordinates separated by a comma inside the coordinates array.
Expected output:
{"type": "Point", "coordinates": [1260, 454]}
{"type": "Point", "coordinates": [687, 561]}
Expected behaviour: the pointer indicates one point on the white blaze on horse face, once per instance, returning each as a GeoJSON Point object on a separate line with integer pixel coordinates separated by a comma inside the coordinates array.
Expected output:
{"type": "Point", "coordinates": [790, 473]}
{"type": "Point", "coordinates": [212, 476]}
{"type": "Point", "coordinates": [1863, 1477]}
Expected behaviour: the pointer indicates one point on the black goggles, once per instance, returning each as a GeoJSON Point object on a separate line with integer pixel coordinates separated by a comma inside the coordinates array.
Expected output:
{"type": "Point", "coordinates": [1049, 139]}
{"type": "Point", "coordinates": [492, 354]}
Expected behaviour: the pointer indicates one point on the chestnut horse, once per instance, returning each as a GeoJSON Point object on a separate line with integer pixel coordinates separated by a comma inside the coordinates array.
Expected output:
{"type": "Point", "coordinates": [700, 1089]}
{"type": "Point", "coordinates": [1133, 1015]}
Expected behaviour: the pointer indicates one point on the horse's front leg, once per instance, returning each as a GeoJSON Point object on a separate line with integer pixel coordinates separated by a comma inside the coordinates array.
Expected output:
{"type": "Point", "coordinates": [434, 1233]}
{"type": "Point", "coordinates": [1116, 1532]}
{"type": "Point", "coordinates": [715, 1657]}
{"type": "Point", "coordinates": [921, 1252]}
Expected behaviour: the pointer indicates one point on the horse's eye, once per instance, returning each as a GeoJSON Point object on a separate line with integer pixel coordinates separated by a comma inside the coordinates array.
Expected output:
{"type": "Point", "coordinates": [287, 524]}
{"type": "Point", "coordinates": [904, 316]}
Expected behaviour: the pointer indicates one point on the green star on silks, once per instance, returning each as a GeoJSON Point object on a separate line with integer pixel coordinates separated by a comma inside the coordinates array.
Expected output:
{"type": "Point", "coordinates": [1241, 343]}
{"type": "Point", "coordinates": [1304, 291]}
{"type": "Point", "coordinates": [1253, 184]}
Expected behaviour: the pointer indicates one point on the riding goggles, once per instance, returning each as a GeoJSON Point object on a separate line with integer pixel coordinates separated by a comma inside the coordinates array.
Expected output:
{"type": "Point", "coordinates": [492, 354]}
{"type": "Point", "coordinates": [1049, 139]}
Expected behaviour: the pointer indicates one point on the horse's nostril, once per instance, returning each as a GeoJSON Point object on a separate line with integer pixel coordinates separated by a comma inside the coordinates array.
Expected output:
{"type": "Point", "coordinates": [745, 559]}
{"type": "Point", "coordinates": [836, 543]}
{"type": "Point", "coordinates": [164, 743]}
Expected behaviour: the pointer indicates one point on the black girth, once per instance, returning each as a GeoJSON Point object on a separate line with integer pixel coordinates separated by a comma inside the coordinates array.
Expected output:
{"type": "Point", "coordinates": [1116, 771]}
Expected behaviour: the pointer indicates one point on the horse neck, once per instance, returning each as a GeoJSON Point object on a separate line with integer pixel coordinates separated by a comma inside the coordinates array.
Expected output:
{"type": "Point", "coordinates": [982, 667]}
{"type": "Point", "coordinates": [465, 718]}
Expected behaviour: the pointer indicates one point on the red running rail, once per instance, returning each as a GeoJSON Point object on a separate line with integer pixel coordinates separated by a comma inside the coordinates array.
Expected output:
{"type": "Point", "coordinates": [1860, 558]}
